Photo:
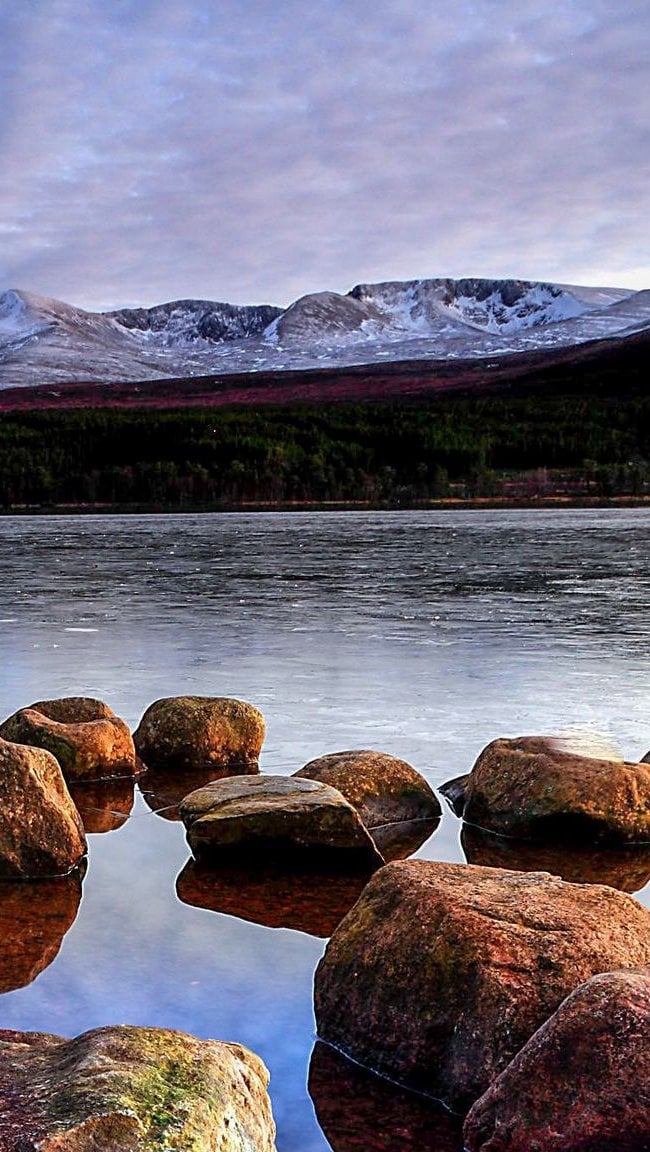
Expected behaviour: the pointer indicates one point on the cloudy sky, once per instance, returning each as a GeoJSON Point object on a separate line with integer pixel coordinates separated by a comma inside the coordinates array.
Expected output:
{"type": "Point", "coordinates": [253, 151]}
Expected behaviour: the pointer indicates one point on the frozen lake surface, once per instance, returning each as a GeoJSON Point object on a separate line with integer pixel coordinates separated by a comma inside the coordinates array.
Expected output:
{"type": "Point", "coordinates": [422, 634]}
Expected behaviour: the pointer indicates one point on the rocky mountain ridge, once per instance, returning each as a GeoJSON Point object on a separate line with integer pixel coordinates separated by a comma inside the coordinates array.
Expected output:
{"type": "Point", "coordinates": [45, 341]}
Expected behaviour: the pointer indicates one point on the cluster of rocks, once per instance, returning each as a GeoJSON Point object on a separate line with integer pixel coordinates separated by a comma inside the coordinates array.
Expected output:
{"type": "Point", "coordinates": [518, 999]}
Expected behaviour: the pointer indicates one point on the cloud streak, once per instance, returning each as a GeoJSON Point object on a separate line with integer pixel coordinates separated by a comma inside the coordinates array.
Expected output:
{"type": "Point", "coordinates": [256, 152]}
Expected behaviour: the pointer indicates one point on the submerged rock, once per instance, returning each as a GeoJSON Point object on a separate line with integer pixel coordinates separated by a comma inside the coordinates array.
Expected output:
{"type": "Point", "coordinates": [580, 1084]}
{"type": "Point", "coordinates": [383, 789]}
{"type": "Point", "coordinates": [87, 738]}
{"type": "Point", "coordinates": [305, 900]}
{"type": "Point", "coordinates": [627, 869]}
{"type": "Point", "coordinates": [535, 787]}
{"type": "Point", "coordinates": [441, 972]}
{"type": "Point", "coordinates": [104, 805]}
{"type": "Point", "coordinates": [41, 833]}
{"type": "Point", "coordinates": [360, 1112]}
{"type": "Point", "coordinates": [397, 841]}
{"type": "Point", "coordinates": [126, 1089]}
{"type": "Point", "coordinates": [34, 918]}
{"type": "Point", "coordinates": [274, 816]}
{"type": "Point", "coordinates": [188, 732]}
{"type": "Point", "coordinates": [454, 792]}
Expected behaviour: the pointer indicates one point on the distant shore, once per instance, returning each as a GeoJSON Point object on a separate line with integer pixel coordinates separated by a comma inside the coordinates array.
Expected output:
{"type": "Point", "coordinates": [450, 504]}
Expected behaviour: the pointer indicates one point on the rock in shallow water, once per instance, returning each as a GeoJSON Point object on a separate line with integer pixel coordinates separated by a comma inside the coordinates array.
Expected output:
{"type": "Point", "coordinates": [192, 732]}
{"type": "Point", "coordinates": [87, 738]}
{"type": "Point", "coordinates": [533, 787]}
{"type": "Point", "coordinates": [274, 816]}
{"type": "Point", "coordinates": [383, 789]}
{"type": "Point", "coordinates": [441, 972]}
{"type": "Point", "coordinates": [125, 1089]}
{"type": "Point", "coordinates": [41, 833]}
{"type": "Point", "coordinates": [580, 1084]}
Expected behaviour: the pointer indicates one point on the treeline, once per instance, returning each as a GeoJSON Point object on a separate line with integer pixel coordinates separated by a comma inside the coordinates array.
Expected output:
{"type": "Point", "coordinates": [387, 454]}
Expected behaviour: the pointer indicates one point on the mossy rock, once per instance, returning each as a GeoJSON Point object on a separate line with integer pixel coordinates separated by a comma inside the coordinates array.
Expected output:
{"type": "Point", "coordinates": [536, 787]}
{"type": "Point", "coordinates": [382, 788]}
{"type": "Point", "coordinates": [440, 973]}
{"type": "Point", "coordinates": [89, 741]}
{"type": "Point", "coordinates": [274, 818]}
{"type": "Point", "coordinates": [195, 732]}
{"type": "Point", "coordinates": [126, 1089]}
{"type": "Point", "coordinates": [41, 833]}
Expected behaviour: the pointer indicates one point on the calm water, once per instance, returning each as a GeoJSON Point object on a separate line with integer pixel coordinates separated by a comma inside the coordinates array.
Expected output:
{"type": "Point", "coordinates": [422, 634]}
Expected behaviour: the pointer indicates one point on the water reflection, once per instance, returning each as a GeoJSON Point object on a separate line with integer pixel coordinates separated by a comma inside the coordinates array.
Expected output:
{"type": "Point", "coordinates": [360, 1112]}
{"type": "Point", "coordinates": [627, 869]}
{"type": "Point", "coordinates": [399, 840]}
{"type": "Point", "coordinates": [103, 805]}
{"type": "Point", "coordinates": [164, 789]}
{"type": "Point", "coordinates": [34, 918]}
{"type": "Point", "coordinates": [314, 902]}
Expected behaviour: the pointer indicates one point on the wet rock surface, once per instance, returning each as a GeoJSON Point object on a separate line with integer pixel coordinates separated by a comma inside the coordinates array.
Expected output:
{"type": "Point", "coordinates": [164, 790]}
{"type": "Point", "coordinates": [400, 840]}
{"type": "Point", "coordinates": [580, 1084]}
{"type": "Point", "coordinates": [360, 1112]}
{"type": "Point", "coordinates": [275, 817]}
{"type": "Point", "coordinates": [441, 972]}
{"type": "Point", "coordinates": [34, 918]}
{"type": "Point", "coordinates": [126, 1089]}
{"type": "Point", "coordinates": [194, 732]}
{"type": "Point", "coordinates": [84, 734]}
{"type": "Point", "coordinates": [533, 787]}
{"type": "Point", "coordinates": [382, 788]}
{"type": "Point", "coordinates": [627, 869]}
{"type": "Point", "coordinates": [311, 901]}
{"type": "Point", "coordinates": [41, 833]}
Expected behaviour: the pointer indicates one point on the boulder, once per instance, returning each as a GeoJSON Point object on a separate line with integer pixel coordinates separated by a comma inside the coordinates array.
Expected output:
{"type": "Point", "coordinates": [397, 841]}
{"type": "Point", "coordinates": [440, 973]}
{"type": "Point", "coordinates": [627, 869]}
{"type": "Point", "coordinates": [580, 1084]}
{"type": "Point", "coordinates": [195, 732]}
{"type": "Point", "coordinates": [34, 918]}
{"type": "Point", "coordinates": [454, 792]}
{"type": "Point", "coordinates": [383, 789]}
{"type": "Point", "coordinates": [360, 1112]}
{"type": "Point", "coordinates": [87, 738]}
{"type": "Point", "coordinates": [304, 900]}
{"type": "Point", "coordinates": [273, 816]}
{"type": "Point", "coordinates": [125, 1089]}
{"type": "Point", "coordinates": [536, 787]}
{"type": "Point", "coordinates": [41, 833]}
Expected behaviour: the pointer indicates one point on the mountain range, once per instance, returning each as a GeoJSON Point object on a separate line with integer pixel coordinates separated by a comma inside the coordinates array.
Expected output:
{"type": "Point", "coordinates": [46, 342]}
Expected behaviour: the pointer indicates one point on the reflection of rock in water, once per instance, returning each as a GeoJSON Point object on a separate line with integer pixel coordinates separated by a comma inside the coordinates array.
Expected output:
{"type": "Point", "coordinates": [627, 869]}
{"type": "Point", "coordinates": [103, 804]}
{"type": "Point", "coordinates": [34, 918]}
{"type": "Point", "coordinates": [397, 841]}
{"type": "Point", "coordinates": [306, 901]}
{"type": "Point", "coordinates": [360, 1112]}
{"type": "Point", "coordinates": [163, 790]}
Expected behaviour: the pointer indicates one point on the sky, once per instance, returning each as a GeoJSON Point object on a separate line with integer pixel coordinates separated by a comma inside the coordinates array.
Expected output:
{"type": "Point", "coordinates": [255, 151]}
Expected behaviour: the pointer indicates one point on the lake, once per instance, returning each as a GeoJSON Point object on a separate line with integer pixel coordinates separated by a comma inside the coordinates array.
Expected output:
{"type": "Point", "coordinates": [422, 634]}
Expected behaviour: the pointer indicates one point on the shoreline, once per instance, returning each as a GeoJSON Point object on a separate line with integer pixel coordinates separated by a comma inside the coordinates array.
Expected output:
{"type": "Point", "coordinates": [445, 504]}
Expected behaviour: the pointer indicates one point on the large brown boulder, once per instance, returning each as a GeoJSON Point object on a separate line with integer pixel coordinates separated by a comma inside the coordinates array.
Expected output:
{"type": "Point", "coordinates": [87, 738]}
{"type": "Point", "coordinates": [195, 732]}
{"type": "Point", "coordinates": [441, 972]}
{"type": "Point", "coordinates": [41, 833]}
{"type": "Point", "coordinates": [274, 816]}
{"type": "Point", "coordinates": [34, 918]}
{"type": "Point", "coordinates": [536, 787]}
{"type": "Point", "coordinates": [383, 789]}
{"type": "Point", "coordinates": [581, 1083]}
{"type": "Point", "coordinates": [125, 1089]}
